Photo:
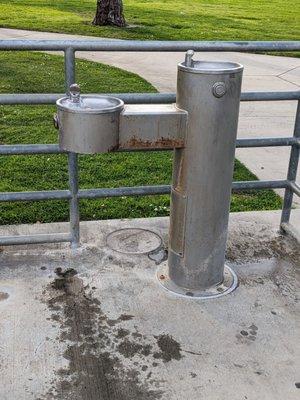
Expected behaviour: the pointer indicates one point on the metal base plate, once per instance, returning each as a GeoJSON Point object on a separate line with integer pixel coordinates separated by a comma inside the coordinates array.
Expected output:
{"type": "Point", "coordinates": [228, 285]}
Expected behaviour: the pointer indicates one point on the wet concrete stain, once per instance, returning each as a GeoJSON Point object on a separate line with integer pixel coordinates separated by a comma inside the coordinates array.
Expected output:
{"type": "Point", "coordinates": [96, 369]}
{"type": "Point", "coordinates": [122, 333]}
{"type": "Point", "coordinates": [3, 296]}
{"type": "Point", "coordinates": [122, 317]}
{"type": "Point", "coordinates": [136, 335]}
{"type": "Point", "coordinates": [170, 349]}
{"type": "Point", "coordinates": [129, 349]}
{"type": "Point", "coordinates": [248, 335]}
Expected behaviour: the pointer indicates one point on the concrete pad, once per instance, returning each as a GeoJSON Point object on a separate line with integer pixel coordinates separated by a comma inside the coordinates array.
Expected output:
{"type": "Point", "coordinates": [96, 324]}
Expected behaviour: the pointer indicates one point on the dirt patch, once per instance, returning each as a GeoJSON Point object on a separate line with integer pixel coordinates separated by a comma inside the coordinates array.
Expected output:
{"type": "Point", "coordinates": [254, 241]}
{"type": "Point", "coordinates": [169, 348]}
{"type": "Point", "coordinates": [96, 370]}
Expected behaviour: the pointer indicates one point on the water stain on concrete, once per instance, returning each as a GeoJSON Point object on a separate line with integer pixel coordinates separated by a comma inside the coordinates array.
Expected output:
{"type": "Point", "coordinates": [170, 349]}
{"type": "Point", "coordinates": [129, 349]}
{"type": "Point", "coordinates": [122, 317]}
{"type": "Point", "coordinates": [3, 296]}
{"type": "Point", "coordinates": [122, 333]}
{"type": "Point", "coordinates": [96, 370]}
{"type": "Point", "coordinates": [244, 333]}
{"type": "Point", "coordinates": [249, 334]}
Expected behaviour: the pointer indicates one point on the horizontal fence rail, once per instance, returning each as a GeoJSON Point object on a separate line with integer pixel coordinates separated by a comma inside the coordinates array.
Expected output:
{"type": "Point", "coordinates": [74, 194]}
{"type": "Point", "coordinates": [295, 188]}
{"type": "Point", "coordinates": [35, 239]}
{"type": "Point", "coordinates": [23, 149]}
{"type": "Point", "coordinates": [139, 98]}
{"type": "Point", "coordinates": [128, 191]}
{"type": "Point", "coordinates": [148, 45]}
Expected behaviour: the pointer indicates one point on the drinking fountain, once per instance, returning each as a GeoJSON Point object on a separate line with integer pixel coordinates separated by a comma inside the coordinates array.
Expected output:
{"type": "Point", "coordinates": [201, 128]}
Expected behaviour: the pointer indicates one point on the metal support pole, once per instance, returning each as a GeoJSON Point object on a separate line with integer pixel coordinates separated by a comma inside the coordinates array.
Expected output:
{"type": "Point", "coordinates": [74, 203]}
{"type": "Point", "coordinates": [292, 174]}
{"type": "Point", "coordinates": [202, 178]}
{"type": "Point", "coordinates": [72, 158]}
{"type": "Point", "coordinates": [69, 68]}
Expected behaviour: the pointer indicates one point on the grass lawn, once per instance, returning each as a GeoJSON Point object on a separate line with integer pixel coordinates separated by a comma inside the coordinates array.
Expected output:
{"type": "Point", "coordinates": [162, 19]}
{"type": "Point", "coordinates": [37, 72]}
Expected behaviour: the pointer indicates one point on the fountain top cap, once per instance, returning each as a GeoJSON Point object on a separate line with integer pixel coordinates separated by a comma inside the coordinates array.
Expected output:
{"type": "Point", "coordinates": [210, 67]}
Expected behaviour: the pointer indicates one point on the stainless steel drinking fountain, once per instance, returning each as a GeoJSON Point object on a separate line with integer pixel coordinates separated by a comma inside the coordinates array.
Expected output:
{"type": "Point", "coordinates": [202, 128]}
{"type": "Point", "coordinates": [88, 124]}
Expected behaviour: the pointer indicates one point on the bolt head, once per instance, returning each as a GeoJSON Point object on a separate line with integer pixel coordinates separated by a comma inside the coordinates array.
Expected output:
{"type": "Point", "coordinates": [219, 89]}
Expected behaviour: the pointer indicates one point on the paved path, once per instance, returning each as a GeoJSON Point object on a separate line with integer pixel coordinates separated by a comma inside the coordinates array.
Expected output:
{"type": "Point", "coordinates": [256, 118]}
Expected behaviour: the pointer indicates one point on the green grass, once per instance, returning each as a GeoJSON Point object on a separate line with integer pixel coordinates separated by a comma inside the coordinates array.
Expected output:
{"type": "Point", "coordinates": [36, 72]}
{"type": "Point", "coordinates": [162, 19]}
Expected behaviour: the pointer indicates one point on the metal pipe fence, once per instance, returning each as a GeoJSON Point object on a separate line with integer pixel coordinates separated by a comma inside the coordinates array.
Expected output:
{"type": "Point", "coordinates": [74, 194]}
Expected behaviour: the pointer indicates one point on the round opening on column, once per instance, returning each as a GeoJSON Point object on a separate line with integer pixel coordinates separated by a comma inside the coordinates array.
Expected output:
{"type": "Point", "coordinates": [211, 67]}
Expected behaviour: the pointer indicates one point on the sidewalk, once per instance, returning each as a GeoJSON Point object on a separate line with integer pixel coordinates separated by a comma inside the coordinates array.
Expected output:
{"type": "Point", "coordinates": [262, 73]}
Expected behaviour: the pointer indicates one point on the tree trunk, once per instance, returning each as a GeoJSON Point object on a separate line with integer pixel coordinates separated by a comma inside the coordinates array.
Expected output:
{"type": "Point", "coordinates": [109, 12]}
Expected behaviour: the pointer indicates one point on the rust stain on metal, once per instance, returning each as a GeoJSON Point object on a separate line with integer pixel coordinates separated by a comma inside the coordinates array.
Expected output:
{"type": "Point", "coordinates": [160, 143]}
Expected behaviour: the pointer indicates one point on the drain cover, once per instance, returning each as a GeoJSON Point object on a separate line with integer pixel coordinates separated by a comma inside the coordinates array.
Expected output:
{"type": "Point", "coordinates": [133, 241]}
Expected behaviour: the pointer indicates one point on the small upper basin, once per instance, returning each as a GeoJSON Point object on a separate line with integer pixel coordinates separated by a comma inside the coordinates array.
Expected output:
{"type": "Point", "coordinates": [91, 104]}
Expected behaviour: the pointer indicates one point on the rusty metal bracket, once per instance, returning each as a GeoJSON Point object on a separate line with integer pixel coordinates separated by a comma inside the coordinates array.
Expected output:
{"type": "Point", "coordinates": [152, 126]}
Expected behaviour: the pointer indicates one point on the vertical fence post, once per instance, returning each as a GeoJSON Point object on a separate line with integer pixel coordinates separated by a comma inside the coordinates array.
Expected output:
{"type": "Point", "coordinates": [72, 157]}
{"type": "Point", "coordinates": [292, 174]}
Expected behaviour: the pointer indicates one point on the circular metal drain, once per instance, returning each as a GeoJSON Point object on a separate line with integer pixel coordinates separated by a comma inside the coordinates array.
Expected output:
{"type": "Point", "coordinates": [229, 284]}
{"type": "Point", "coordinates": [133, 241]}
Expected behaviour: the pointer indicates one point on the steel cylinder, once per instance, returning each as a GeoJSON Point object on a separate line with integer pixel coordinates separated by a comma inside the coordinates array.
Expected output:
{"type": "Point", "coordinates": [203, 171]}
{"type": "Point", "coordinates": [88, 124]}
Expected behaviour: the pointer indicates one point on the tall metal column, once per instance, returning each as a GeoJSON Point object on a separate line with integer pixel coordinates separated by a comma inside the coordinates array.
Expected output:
{"type": "Point", "coordinates": [202, 178]}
